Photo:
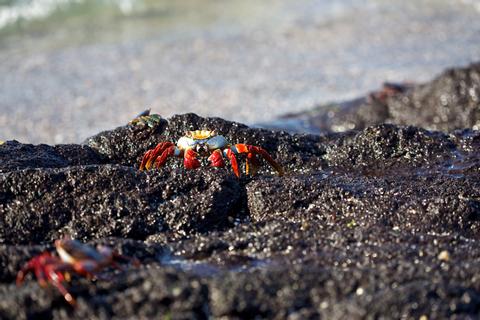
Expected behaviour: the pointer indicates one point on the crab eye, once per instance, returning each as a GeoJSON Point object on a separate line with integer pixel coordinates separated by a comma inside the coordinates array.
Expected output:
{"type": "Point", "coordinates": [216, 142]}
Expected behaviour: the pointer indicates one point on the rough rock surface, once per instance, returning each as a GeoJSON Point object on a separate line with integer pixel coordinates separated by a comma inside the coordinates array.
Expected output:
{"type": "Point", "coordinates": [450, 101]}
{"type": "Point", "coordinates": [111, 200]}
{"type": "Point", "coordinates": [376, 223]}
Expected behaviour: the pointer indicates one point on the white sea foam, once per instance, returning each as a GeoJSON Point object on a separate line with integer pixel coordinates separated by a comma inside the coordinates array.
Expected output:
{"type": "Point", "coordinates": [41, 9]}
{"type": "Point", "coordinates": [28, 10]}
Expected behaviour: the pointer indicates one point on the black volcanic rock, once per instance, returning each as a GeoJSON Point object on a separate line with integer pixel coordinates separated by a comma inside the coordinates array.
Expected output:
{"type": "Point", "coordinates": [450, 101]}
{"type": "Point", "coordinates": [126, 145]}
{"type": "Point", "coordinates": [386, 145]}
{"type": "Point", "coordinates": [416, 202]}
{"type": "Point", "coordinates": [112, 200]}
{"type": "Point", "coordinates": [15, 155]}
{"type": "Point", "coordinates": [382, 222]}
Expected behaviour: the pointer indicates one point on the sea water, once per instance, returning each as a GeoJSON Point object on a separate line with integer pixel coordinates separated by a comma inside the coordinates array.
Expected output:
{"type": "Point", "coordinates": [70, 68]}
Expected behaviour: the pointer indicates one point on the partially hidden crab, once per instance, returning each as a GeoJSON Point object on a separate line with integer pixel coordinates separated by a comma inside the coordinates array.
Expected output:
{"type": "Point", "coordinates": [73, 257]}
{"type": "Point", "coordinates": [207, 143]}
{"type": "Point", "coordinates": [146, 119]}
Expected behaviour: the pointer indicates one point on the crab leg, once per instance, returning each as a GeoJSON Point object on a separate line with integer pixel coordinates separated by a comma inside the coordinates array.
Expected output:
{"type": "Point", "coordinates": [169, 152]}
{"type": "Point", "coordinates": [47, 268]}
{"type": "Point", "coordinates": [24, 271]}
{"type": "Point", "coordinates": [152, 154]}
{"type": "Point", "coordinates": [117, 257]}
{"type": "Point", "coordinates": [254, 150]}
{"type": "Point", "coordinates": [233, 160]}
{"type": "Point", "coordinates": [190, 160]}
{"type": "Point", "coordinates": [57, 278]}
{"type": "Point", "coordinates": [252, 164]}
{"type": "Point", "coordinates": [35, 265]}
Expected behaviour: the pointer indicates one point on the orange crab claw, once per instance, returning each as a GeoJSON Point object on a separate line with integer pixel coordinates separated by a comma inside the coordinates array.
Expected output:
{"type": "Point", "coordinates": [254, 150]}
{"type": "Point", "coordinates": [233, 161]}
{"type": "Point", "coordinates": [151, 155]}
{"type": "Point", "coordinates": [190, 160]}
{"type": "Point", "coordinates": [22, 274]}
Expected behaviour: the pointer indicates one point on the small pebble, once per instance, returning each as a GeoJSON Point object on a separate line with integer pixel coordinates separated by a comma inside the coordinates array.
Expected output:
{"type": "Point", "coordinates": [444, 256]}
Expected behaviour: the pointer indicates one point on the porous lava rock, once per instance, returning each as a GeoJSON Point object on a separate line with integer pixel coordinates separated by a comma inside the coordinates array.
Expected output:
{"type": "Point", "coordinates": [449, 102]}
{"type": "Point", "coordinates": [16, 155]}
{"type": "Point", "coordinates": [89, 202]}
{"type": "Point", "coordinates": [376, 223]}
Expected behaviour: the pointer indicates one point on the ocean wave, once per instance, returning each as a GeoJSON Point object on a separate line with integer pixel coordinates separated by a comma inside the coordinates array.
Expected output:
{"type": "Point", "coordinates": [22, 10]}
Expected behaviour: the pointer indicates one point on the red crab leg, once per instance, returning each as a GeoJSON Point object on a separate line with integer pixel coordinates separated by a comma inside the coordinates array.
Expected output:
{"type": "Point", "coordinates": [56, 276]}
{"type": "Point", "coordinates": [118, 257]}
{"type": "Point", "coordinates": [216, 159]}
{"type": "Point", "coordinates": [233, 161]}
{"type": "Point", "coordinates": [47, 268]}
{"type": "Point", "coordinates": [169, 152]}
{"type": "Point", "coordinates": [190, 160]}
{"type": "Point", "coordinates": [86, 268]}
{"type": "Point", "coordinates": [246, 148]}
{"type": "Point", "coordinates": [35, 265]}
{"type": "Point", "coordinates": [145, 159]}
{"type": "Point", "coordinates": [151, 155]}
{"type": "Point", "coordinates": [252, 164]}
{"type": "Point", "coordinates": [23, 272]}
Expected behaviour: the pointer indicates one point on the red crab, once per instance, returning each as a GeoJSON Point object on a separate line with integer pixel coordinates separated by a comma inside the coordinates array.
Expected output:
{"type": "Point", "coordinates": [207, 143]}
{"type": "Point", "coordinates": [388, 90]}
{"type": "Point", "coordinates": [73, 257]}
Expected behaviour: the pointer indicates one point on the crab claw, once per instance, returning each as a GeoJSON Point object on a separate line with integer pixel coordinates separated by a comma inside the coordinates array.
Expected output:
{"type": "Point", "coordinates": [216, 159]}
{"type": "Point", "coordinates": [57, 278]}
{"type": "Point", "coordinates": [252, 160]}
{"type": "Point", "coordinates": [190, 160]}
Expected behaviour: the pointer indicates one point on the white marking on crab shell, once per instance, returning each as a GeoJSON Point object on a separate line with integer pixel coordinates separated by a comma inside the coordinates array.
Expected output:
{"type": "Point", "coordinates": [217, 142]}
{"type": "Point", "coordinates": [185, 143]}
{"type": "Point", "coordinates": [65, 256]}
{"type": "Point", "coordinates": [71, 251]}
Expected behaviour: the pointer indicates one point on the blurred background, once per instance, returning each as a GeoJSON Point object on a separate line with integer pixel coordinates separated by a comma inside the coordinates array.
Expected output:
{"type": "Point", "coordinates": [70, 68]}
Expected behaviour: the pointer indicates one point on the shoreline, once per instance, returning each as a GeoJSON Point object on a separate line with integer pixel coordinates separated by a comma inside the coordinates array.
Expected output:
{"type": "Point", "coordinates": [255, 74]}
